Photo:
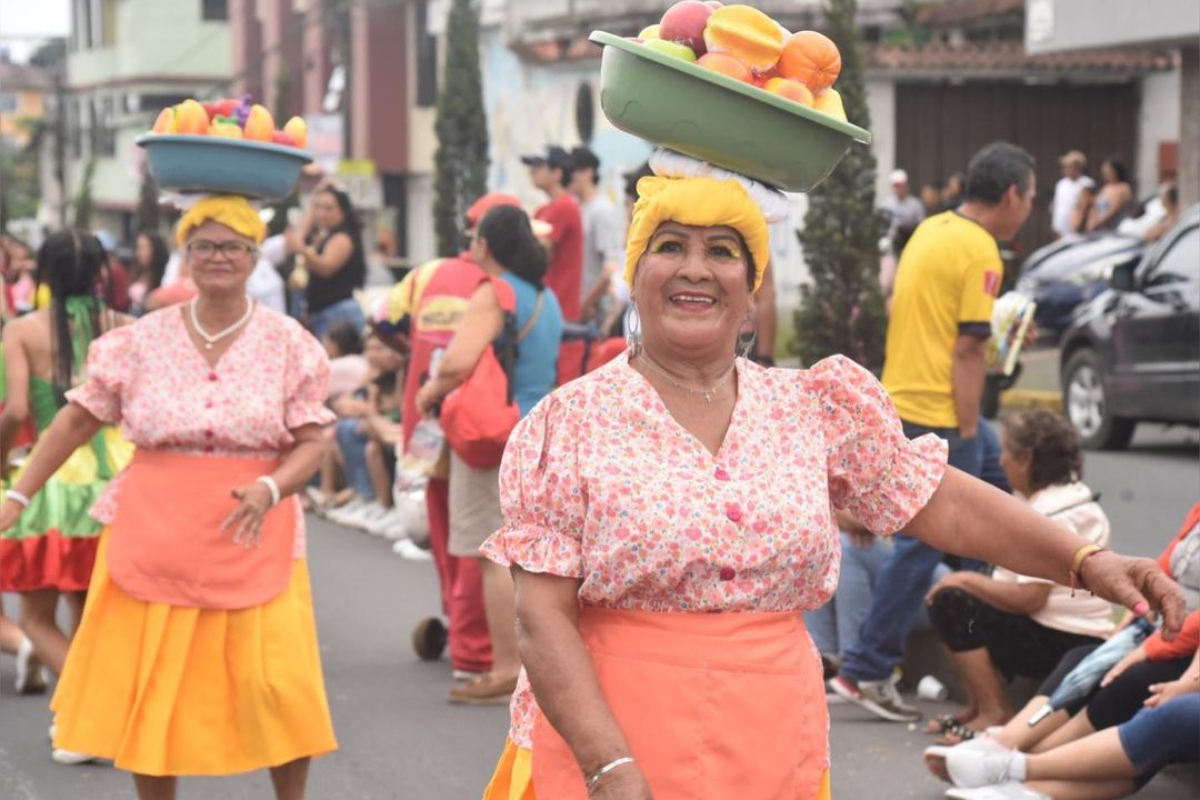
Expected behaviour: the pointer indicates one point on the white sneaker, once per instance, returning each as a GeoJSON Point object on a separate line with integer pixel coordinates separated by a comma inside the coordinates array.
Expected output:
{"type": "Point", "coordinates": [348, 515]}
{"type": "Point", "coordinates": [881, 698]}
{"type": "Point", "coordinates": [971, 767]}
{"type": "Point", "coordinates": [31, 675]}
{"type": "Point", "coordinates": [935, 755]}
{"type": "Point", "coordinates": [70, 757]}
{"type": "Point", "coordinates": [410, 551]}
{"type": "Point", "coordinates": [390, 524]}
{"type": "Point", "coordinates": [1005, 791]}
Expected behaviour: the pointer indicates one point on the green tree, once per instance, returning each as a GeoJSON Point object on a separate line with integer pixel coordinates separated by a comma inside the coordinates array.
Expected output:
{"type": "Point", "coordinates": [148, 213]}
{"type": "Point", "coordinates": [83, 200]}
{"type": "Point", "coordinates": [461, 161]}
{"type": "Point", "coordinates": [842, 310]}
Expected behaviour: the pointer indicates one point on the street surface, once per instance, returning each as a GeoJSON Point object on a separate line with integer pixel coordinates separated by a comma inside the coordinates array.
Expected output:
{"type": "Point", "coordinates": [399, 738]}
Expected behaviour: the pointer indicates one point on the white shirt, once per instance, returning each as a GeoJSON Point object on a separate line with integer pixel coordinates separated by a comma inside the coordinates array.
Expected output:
{"type": "Point", "coordinates": [1066, 197]}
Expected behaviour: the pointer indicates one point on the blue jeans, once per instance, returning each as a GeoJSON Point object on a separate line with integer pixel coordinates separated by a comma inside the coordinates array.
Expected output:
{"type": "Point", "coordinates": [352, 442]}
{"type": "Point", "coordinates": [1156, 737]}
{"type": "Point", "coordinates": [906, 575]}
{"type": "Point", "coordinates": [342, 311]}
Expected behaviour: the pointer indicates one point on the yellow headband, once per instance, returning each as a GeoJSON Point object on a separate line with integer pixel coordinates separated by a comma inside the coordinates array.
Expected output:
{"type": "Point", "coordinates": [702, 202]}
{"type": "Point", "coordinates": [232, 211]}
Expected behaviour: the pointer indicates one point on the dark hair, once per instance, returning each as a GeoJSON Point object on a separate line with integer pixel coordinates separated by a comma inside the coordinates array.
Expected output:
{"type": "Point", "coordinates": [510, 240]}
{"type": "Point", "coordinates": [567, 172]}
{"type": "Point", "coordinates": [71, 263]}
{"type": "Point", "coordinates": [584, 158]}
{"type": "Point", "coordinates": [1171, 194]}
{"type": "Point", "coordinates": [1050, 442]}
{"type": "Point", "coordinates": [1119, 168]}
{"type": "Point", "coordinates": [160, 254]}
{"type": "Point", "coordinates": [632, 178]}
{"type": "Point", "coordinates": [346, 337]}
{"type": "Point", "coordinates": [351, 228]}
{"type": "Point", "coordinates": [996, 168]}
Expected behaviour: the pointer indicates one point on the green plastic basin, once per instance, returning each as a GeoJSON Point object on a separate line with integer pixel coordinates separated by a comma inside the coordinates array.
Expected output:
{"type": "Point", "coordinates": [712, 117]}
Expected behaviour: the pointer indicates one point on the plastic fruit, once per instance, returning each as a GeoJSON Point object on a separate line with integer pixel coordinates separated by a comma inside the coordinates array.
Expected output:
{"type": "Point", "coordinates": [229, 130]}
{"type": "Point", "coordinates": [650, 32]}
{"type": "Point", "coordinates": [795, 91]}
{"type": "Point", "coordinates": [165, 123]}
{"type": "Point", "coordinates": [259, 127]}
{"type": "Point", "coordinates": [746, 33]}
{"type": "Point", "coordinates": [685, 23]}
{"type": "Point", "coordinates": [727, 65]}
{"type": "Point", "coordinates": [830, 102]}
{"type": "Point", "coordinates": [211, 110]}
{"type": "Point", "coordinates": [681, 51]}
{"type": "Point", "coordinates": [190, 117]}
{"type": "Point", "coordinates": [811, 58]}
{"type": "Point", "coordinates": [284, 138]}
{"type": "Point", "coordinates": [297, 128]}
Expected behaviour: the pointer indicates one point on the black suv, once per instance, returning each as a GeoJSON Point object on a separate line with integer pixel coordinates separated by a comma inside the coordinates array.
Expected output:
{"type": "Point", "coordinates": [1133, 353]}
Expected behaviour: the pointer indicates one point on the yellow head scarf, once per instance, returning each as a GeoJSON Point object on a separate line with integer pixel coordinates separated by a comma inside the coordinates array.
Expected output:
{"type": "Point", "coordinates": [230, 210]}
{"type": "Point", "coordinates": [703, 202]}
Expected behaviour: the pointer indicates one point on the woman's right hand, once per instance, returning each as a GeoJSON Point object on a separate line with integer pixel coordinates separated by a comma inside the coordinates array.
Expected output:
{"type": "Point", "coordinates": [623, 783]}
{"type": "Point", "coordinates": [10, 512]}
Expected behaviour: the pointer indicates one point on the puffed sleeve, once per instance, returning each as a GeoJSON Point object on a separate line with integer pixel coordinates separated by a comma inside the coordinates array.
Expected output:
{"type": "Point", "coordinates": [875, 471]}
{"type": "Point", "coordinates": [306, 381]}
{"type": "Point", "coordinates": [111, 365]}
{"type": "Point", "coordinates": [541, 495]}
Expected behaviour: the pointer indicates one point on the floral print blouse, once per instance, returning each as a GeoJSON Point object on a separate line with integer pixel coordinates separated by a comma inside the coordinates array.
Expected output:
{"type": "Point", "coordinates": [150, 379]}
{"type": "Point", "coordinates": [600, 483]}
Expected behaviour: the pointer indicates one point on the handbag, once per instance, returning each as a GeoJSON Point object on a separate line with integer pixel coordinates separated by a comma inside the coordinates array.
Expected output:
{"type": "Point", "coordinates": [479, 416]}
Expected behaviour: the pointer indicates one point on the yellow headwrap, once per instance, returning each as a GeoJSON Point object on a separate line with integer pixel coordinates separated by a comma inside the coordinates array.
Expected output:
{"type": "Point", "coordinates": [702, 202]}
{"type": "Point", "coordinates": [232, 211]}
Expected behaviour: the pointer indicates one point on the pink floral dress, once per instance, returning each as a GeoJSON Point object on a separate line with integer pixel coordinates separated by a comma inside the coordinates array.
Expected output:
{"type": "Point", "coordinates": [600, 483]}
{"type": "Point", "coordinates": [150, 378]}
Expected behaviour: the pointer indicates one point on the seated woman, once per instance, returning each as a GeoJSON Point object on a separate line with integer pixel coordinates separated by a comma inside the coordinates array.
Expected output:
{"type": "Point", "coordinates": [1014, 623]}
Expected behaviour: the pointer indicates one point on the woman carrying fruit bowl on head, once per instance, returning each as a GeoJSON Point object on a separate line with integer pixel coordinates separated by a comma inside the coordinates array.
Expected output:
{"type": "Point", "coordinates": [197, 653]}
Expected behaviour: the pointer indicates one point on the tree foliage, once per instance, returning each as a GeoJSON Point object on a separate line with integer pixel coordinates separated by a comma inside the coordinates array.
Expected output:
{"type": "Point", "coordinates": [842, 310]}
{"type": "Point", "coordinates": [461, 161]}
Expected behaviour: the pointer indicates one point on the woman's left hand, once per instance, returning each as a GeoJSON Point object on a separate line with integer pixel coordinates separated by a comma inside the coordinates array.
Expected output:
{"type": "Point", "coordinates": [1139, 584]}
{"type": "Point", "coordinates": [428, 397]}
{"type": "Point", "coordinates": [955, 580]}
{"type": "Point", "coordinates": [248, 517]}
{"type": "Point", "coordinates": [1163, 693]}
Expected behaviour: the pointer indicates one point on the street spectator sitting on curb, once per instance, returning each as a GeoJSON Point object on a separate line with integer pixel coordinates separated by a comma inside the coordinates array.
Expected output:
{"type": "Point", "coordinates": [348, 368]}
{"type": "Point", "coordinates": [1168, 195]}
{"type": "Point", "coordinates": [1017, 624]}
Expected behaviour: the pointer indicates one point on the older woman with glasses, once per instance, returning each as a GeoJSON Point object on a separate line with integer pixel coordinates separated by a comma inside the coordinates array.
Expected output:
{"type": "Point", "coordinates": [197, 653]}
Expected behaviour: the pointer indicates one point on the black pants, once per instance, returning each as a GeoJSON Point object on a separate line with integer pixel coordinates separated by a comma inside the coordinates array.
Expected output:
{"type": "Point", "coordinates": [1017, 644]}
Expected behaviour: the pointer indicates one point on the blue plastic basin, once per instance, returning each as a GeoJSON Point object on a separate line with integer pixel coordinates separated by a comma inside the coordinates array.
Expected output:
{"type": "Point", "coordinates": [216, 165]}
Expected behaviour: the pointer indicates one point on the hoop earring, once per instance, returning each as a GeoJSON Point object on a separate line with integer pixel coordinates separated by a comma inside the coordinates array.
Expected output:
{"type": "Point", "coordinates": [633, 330]}
{"type": "Point", "coordinates": [747, 336]}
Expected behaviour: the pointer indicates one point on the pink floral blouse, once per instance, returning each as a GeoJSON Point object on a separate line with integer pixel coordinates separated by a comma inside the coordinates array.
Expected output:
{"type": "Point", "coordinates": [599, 482]}
{"type": "Point", "coordinates": [151, 379]}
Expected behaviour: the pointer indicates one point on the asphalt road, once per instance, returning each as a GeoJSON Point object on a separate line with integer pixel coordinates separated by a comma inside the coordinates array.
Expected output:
{"type": "Point", "coordinates": [399, 739]}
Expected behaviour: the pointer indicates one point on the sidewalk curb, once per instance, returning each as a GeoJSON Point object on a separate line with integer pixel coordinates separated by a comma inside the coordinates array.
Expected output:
{"type": "Point", "coordinates": [1026, 399]}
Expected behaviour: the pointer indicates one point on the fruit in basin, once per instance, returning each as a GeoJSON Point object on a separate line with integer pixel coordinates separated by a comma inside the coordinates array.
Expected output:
{"type": "Point", "coordinates": [190, 117]}
{"type": "Point", "coordinates": [297, 128]}
{"type": "Point", "coordinates": [811, 58]}
{"type": "Point", "coordinates": [284, 138]}
{"type": "Point", "coordinates": [227, 127]}
{"type": "Point", "coordinates": [830, 102]}
{"type": "Point", "coordinates": [714, 4]}
{"type": "Point", "coordinates": [681, 51]}
{"type": "Point", "coordinates": [727, 65]}
{"type": "Point", "coordinates": [165, 123]}
{"type": "Point", "coordinates": [746, 33]}
{"type": "Point", "coordinates": [260, 126]}
{"type": "Point", "coordinates": [685, 22]}
{"type": "Point", "coordinates": [650, 32]}
{"type": "Point", "coordinates": [795, 91]}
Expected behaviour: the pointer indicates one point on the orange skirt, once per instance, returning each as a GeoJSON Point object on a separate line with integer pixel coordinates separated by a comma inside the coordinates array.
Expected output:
{"type": "Point", "coordinates": [166, 690]}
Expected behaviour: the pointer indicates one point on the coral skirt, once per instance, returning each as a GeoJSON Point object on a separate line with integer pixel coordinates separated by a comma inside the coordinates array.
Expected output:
{"type": "Point", "coordinates": [164, 690]}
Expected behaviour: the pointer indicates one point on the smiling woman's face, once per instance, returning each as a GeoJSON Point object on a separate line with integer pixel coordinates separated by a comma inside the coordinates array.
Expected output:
{"type": "Point", "coordinates": [219, 258]}
{"type": "Point", "coordinates": [692, 292]}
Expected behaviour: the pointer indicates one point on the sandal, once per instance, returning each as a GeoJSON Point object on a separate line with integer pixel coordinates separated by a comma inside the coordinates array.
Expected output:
{"type": "Point", "coordinates": [940, 724]}
{"type": "Point", "coordinates": [957, 734]}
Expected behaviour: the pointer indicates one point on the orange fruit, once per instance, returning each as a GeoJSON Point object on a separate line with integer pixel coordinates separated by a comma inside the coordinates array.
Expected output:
{"type": "Point", "coordinates": [811, 58]}
{"type": "Point", "coordinates": [726, 65]}
{"type": "Point", "coordinates": [795, 91]}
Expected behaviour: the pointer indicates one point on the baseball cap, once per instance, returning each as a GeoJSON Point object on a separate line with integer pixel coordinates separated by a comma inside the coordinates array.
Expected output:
{"type": "Point", "coordinates": [584, 158]}
{"type": "Point", "coordinates": [1074, 157]}
{"type": "Point", "coordinates": [554, 156]}
{"type": "Point", "coordinates": [898, 176]}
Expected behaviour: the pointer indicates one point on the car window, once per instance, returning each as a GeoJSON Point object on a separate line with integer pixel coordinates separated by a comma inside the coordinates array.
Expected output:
{"type": "Point", "coordinates": [1180, 264]}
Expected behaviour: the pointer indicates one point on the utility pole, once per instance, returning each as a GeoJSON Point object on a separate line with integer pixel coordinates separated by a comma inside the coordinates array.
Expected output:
{"type": "Point", "coordinates": [60, 141]}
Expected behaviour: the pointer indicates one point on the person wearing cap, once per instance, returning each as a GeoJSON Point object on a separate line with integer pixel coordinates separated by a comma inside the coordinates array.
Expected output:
{"type": "Point", "coordinates": [197, 653]}
{"type": "Point", "coordinates": [551, 173]}
{"type": "Point", "coordinates": [603, 233]}
{"type": "Point", "coordinates": [1072, 187]}
{"type": "Point", "coordinates": [669, 517]}
{"type": "Point", "coordinates": [904, 209]}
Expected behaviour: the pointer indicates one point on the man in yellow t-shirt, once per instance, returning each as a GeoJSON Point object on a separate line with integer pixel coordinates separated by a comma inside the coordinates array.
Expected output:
{"type": "Point", "coordinates": [946, 282]}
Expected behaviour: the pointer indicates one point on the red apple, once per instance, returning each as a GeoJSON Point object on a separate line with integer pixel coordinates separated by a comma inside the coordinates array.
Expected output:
{"type": "Point", "coordinates": [684, 23]}
{"type": "Point", "coordinates": [284, 138]}
{"type": "Point", "coordinates": [211, 110]}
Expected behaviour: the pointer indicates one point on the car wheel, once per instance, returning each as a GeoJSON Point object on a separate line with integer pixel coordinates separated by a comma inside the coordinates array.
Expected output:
{"type": "Point", "coordinates": [1085, 397]}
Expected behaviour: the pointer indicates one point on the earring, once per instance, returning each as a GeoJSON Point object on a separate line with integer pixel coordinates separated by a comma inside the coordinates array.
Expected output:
{"type": "Point", "coordinates": [633, 330]}
{"type": "Point", "coordinates": [747, 336]}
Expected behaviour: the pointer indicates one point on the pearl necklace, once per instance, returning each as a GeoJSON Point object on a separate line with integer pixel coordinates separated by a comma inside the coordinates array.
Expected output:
{"type": "Point", "coordinates": [708, 393]}
{"type": "Point", "coordinates": [211, 339]}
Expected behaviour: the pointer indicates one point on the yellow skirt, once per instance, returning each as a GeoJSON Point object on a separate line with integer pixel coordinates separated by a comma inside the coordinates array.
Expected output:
{"type": "Point", "coordinates": [513, 778]}
{"type": "Point", "coordinates": [163, 690]}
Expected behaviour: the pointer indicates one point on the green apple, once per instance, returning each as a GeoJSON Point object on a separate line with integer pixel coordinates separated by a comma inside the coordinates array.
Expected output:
{"type": "Point", "coordinates": [681, 51]}
{"type": "Point", "coordinates": [651, 32]}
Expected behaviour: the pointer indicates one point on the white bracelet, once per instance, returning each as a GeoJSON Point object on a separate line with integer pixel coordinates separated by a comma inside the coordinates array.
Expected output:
{"type": "Point", "coordinates": [18, 498]}
{"type": "Point", "coordinates": [272, 486]}
{"type": "Point", "coordinates": [607, 768]}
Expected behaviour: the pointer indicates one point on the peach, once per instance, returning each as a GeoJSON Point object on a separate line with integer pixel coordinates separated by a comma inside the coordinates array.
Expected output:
{"type": "Point", "coordinates": [830, 102]}
{"type": "Point", "coordinates": [747, 33]}
{"type": "Point", "coordinates": [685, 22]}
{"type": "Point", "coordinates": [811, 58]}
{"type": "Point", "coordinates": [727, 65]}
{"type": "Point", "coordinates": [651, 32]}
{"type": "Point", "coordinates": [190, 117]}
{"type": "Point", "coordinates": [795, 91]}
{"type": "Point", "coordinates": [260, 125]}
{"type": "Point", "coordinates": [297, 128]}
{"type": "Point", "coordinates": [680, 51]}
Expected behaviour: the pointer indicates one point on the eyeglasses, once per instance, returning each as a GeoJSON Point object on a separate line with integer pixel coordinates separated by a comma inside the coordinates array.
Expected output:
{"type": "Point", "coordinates": [230, 251]}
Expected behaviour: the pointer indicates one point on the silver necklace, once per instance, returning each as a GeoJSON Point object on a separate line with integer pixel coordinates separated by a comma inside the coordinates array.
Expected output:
{"type": "Point", "coordinates": [708, 393]}
{"type": "Point", "coordinates": [211, 339]}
